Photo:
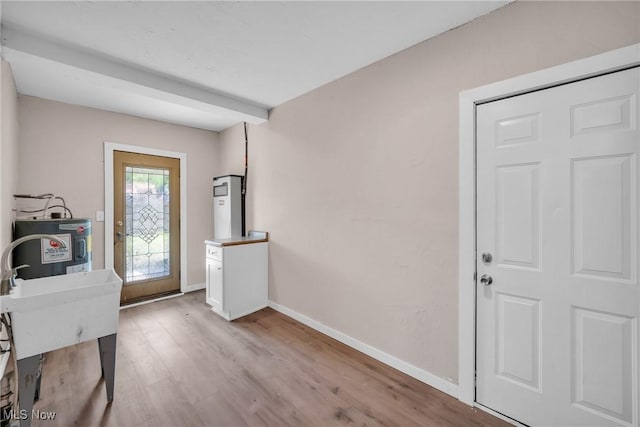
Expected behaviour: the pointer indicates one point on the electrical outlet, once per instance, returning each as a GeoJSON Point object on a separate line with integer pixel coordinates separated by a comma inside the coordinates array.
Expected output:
{"type": "Point", "coordinates": [100, 216]}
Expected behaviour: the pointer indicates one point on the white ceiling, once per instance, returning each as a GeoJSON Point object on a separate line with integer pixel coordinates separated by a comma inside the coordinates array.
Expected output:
{"type": "Point", "coordinates": [208, 64]}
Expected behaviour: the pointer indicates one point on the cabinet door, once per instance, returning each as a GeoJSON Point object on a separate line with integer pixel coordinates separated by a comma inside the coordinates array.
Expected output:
{"type": "Point", "coordinates": [208, 280]}
{"type": "Point", "coordinates": [214, 283]}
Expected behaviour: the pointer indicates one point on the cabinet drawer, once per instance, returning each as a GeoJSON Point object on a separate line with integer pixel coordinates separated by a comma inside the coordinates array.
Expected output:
{"type": "Point", "coordinates": [214, 252]}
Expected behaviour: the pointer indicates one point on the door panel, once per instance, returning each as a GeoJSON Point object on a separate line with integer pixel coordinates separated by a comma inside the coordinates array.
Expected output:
{"type": "Point", "coordinates": [602, 115]}
{"type": "Point", "coordinates": [602, 216]}
{"type": "Point", "coordinates": [593, 331]}
{"type": "Point", "coordinates": [557, 176]}
{"type": "Point", "coordinates": [517, 215]}
{"type": "Point", "coordinates": [147, 224]}
{"type": "Point", "coordinates": [518, 340]}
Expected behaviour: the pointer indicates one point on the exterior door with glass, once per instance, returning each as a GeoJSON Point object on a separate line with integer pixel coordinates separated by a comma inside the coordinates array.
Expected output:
{"type": "Point", "coordinates": [146, 225]}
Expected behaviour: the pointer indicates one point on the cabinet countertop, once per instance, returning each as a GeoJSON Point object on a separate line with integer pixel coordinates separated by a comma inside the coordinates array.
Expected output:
{"type": "Point", "coordinates": [253, 237]}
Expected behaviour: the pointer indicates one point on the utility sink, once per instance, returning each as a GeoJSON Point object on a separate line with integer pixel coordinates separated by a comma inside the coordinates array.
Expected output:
{"type": "Point", "coordinates": [53, 312]}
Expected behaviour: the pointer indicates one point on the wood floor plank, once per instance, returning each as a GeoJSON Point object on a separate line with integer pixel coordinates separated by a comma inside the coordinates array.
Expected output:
{"type": "Point", "coordinates": [215, 409]}
{"type": "Point", "coordinates": [179, 364]}
{"type": "Point", "coordinates": [172, 406]}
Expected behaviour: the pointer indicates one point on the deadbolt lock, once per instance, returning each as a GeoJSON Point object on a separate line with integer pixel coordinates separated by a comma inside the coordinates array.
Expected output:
{"type": "Point", "coordinates": [487, 257]}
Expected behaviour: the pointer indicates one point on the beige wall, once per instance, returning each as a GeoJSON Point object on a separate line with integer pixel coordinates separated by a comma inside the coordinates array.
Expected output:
{"type": "Point", "coordinates": [358, 181]}
{"type": "Point", "coordinates": [8, 151]}
{"type": "Point", "coordinates": [61, 152]}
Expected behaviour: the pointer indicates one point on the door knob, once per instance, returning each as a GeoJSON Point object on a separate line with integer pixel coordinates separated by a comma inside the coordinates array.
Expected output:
{"type": "Point", "coordinates": [486, 280]}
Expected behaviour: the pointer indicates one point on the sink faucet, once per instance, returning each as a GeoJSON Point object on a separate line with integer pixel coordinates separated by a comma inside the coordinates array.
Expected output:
{"type": "Point", "coordinates": [8, 274]}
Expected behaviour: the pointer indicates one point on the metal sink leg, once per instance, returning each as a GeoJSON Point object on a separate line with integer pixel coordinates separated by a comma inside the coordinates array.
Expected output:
{"type": "Point", "coordinates": [107, 347]}
{"type": "Point", "coordinates": [27, 379]}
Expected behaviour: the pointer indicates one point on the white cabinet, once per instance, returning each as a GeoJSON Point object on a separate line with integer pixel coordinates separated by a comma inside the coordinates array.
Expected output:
{"type": "Point", "coordinates": [237, 278]}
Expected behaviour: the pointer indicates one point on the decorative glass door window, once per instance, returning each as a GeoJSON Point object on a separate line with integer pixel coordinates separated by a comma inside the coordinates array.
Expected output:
{"type": "Point", "coordinates": [147, 224]}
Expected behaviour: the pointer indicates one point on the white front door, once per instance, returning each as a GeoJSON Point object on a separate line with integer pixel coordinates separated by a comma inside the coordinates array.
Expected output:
{"type": "Point", "coordinates": [557, 212]}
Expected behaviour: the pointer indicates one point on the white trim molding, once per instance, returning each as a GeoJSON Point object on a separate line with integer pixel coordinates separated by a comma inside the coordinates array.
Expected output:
{"type": "Point", "coordinates": [615, 60]}
{"type": "Point", "coordinates": [109, 148]}
{"type": "Point", "coordinates": [428, 378]}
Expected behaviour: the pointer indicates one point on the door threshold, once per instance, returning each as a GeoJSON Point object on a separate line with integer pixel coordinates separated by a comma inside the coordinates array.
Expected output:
{"type": "Point", "coordinates": [135, 304]}
{"type": "Point", "coordinates": [499, 415]}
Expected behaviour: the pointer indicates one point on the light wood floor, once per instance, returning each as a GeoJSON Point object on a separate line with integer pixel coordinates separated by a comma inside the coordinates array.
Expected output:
{"type": "Point", "coordinates": [178, 364]}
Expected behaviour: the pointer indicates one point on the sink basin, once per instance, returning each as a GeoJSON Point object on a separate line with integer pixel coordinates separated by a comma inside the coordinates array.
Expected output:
{"type": "Point", "coordinates": [57, 311]}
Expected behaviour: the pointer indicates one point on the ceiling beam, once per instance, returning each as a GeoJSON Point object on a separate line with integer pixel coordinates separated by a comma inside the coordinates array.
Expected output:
{"type": "Point", "coordinates": [148, 83]}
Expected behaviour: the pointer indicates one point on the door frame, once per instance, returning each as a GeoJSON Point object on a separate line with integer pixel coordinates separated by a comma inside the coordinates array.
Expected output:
{"type": "Point", "coordinates": [611, 61]}
{"type": "Point", "coordinates": [109, 148]}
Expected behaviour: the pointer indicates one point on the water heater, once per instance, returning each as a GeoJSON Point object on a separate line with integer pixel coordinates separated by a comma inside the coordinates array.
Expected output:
{"type": "Point", "coordinates": [48, 258]}
{"type": "Point", "coordinates": [228, 212]}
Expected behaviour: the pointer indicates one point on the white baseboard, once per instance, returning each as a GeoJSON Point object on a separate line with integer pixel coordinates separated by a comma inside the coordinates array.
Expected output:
{"type": "Point", "coordinates": [415, 372]}
{"type": "Point", "coordinates": [193, 287]}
